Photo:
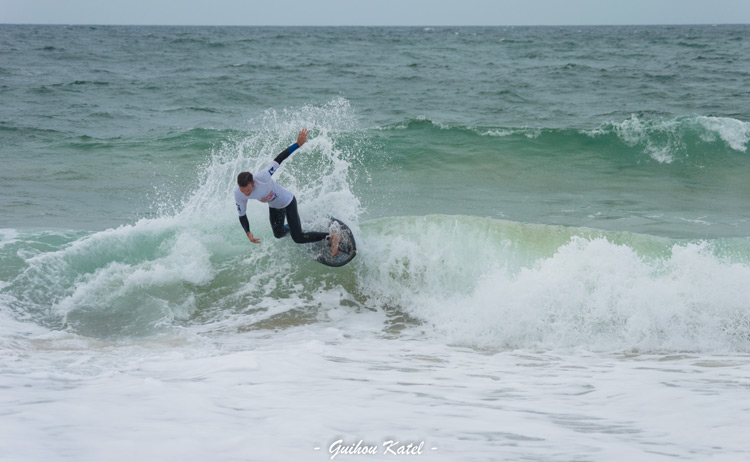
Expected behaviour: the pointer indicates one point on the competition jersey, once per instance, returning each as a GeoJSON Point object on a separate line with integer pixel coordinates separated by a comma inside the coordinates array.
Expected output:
{"type": "Point", "coordinates": [265, 190]}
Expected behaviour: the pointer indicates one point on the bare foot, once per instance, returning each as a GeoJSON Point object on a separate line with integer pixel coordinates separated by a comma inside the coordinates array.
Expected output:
{"type": "Point", "coordinates": [335, 239]}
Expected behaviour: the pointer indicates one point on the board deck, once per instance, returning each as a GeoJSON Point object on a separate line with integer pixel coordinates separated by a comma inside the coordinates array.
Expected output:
{"type": "Point", "coordinates": [347, 246]}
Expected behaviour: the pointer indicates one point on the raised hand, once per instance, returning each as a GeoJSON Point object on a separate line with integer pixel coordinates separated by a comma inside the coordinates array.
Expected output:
{"type": "Point", "coordinates": [302, 137]}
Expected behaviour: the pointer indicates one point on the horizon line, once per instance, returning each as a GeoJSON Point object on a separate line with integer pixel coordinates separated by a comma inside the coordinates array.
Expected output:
{"type": "Point", "coordinates": [710, 24]}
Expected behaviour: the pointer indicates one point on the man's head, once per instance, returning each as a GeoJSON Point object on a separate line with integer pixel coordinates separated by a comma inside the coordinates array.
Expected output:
{"type": "Point", "coordinates": [245, 182]}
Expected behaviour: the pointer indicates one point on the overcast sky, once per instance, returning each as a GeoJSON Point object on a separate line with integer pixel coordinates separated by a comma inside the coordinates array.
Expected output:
{"type": "Point", "coordinates": [375, 12]}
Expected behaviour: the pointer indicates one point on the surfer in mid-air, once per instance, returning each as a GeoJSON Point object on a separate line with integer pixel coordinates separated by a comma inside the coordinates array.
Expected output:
{"type": "Point", "coordinates": [281, 202]}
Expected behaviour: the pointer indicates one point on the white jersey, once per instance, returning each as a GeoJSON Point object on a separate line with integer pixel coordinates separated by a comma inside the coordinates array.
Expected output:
{"type": "Point", "coordinates": [265, 190]}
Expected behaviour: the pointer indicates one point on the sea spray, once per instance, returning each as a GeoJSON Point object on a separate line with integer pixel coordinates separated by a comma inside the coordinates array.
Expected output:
{"type": "Point", "coordinates": [192, 263]}
{"type": "Point", "coordinates": [320, 174]}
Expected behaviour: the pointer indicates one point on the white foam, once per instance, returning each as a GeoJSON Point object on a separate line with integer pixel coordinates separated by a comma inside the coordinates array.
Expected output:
{"type": "Point", "coordinates": [8, 236]}
{"type": "Point", "coordinates": [665, 139]}
{"type": "Point", "coordinates": [186, 260]}
{"type": "Point", "coordinates": [590, 292]}
{"type": "Point", "coordinates": [498, 132]}
{"type": "Point", "coordinates": [661, 138]}
{"type": "Point", "coordinates": [289, 395]}
{"type": "Point", "coordinates": [531, 133]}
{"type": "Point", "coordinates": [735, 133]}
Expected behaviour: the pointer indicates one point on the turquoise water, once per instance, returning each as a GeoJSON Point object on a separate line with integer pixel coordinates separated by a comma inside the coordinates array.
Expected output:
{"type": "Point", "coordinates": [547, 217]}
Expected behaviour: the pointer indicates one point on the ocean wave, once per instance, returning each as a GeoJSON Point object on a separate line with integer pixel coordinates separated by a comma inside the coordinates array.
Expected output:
{"type": "Point", "coordinates": [28, 131]}
{"type": "Point", "coordinates": [418, 123]}
{"type": "Point", "coordinates": [468, 280]}
{"type": "Point", "coordinates": [499, 284]}
{"type": "Point", "coordinates": [192, 109]}
{"type": "Point", "coordinates": [667, 139]}
{"type": "Point", "coordinates": [124, 281]}
{"type": "Point", "coordinates": [691, 139]}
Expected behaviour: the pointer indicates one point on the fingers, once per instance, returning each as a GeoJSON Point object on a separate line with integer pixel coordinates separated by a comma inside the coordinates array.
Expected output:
{"type": "Point", "coordinates": [302, 136]}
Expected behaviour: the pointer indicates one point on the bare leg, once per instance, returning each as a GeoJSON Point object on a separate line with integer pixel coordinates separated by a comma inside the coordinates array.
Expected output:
{"type": "Point", "coordinates": [335, 239]}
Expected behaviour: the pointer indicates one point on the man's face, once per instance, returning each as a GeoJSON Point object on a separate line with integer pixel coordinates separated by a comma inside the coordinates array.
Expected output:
{"type": "Point", "coordinates": [246, 190]}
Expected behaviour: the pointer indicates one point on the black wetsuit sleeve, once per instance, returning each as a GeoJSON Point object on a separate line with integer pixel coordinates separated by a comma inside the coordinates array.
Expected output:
{"type": "Point", "coordinates": [245, 224]}
{"type": "Point", "coordinates": [286, 153]}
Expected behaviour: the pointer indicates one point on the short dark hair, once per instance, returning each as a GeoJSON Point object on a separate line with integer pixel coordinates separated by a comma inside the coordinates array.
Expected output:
{"type": "Point", "coordinates": [244, 179]}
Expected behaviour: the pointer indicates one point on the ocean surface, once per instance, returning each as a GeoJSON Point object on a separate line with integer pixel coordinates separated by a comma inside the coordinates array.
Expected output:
{"type": "Point", "coordinates": [553, 227]}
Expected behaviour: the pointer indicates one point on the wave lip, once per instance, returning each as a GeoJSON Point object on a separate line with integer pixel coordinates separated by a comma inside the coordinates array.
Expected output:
{"type": "Point", "coordinates": [666, 139]}
{"type": "Point", "coordinates": [733, 132]}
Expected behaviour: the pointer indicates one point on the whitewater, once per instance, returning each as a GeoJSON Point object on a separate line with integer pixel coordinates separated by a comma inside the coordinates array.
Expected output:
{"type": "Point", "coordinates": [572, 287]}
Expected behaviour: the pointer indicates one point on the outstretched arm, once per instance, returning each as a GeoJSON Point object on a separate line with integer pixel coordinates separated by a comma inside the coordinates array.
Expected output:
{"type": "Point", "coordinates": [242, 210]}
{"type": "Point", "coordinates": [301, 139]}
{"type": "Point", "coordinates": [246, 226]}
